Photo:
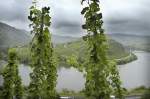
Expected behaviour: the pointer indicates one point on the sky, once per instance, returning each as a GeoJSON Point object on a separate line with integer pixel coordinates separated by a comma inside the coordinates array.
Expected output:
{"type": "Point", "coordinates": [119, 16]}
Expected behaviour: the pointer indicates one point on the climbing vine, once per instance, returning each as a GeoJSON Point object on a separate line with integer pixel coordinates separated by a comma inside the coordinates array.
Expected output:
{"type": "Point", "coordinates": [44, 76]}
{"type": "Point", "coordinates": [102, 77]}
{"type": "Point", "coordinates": [12, 86]}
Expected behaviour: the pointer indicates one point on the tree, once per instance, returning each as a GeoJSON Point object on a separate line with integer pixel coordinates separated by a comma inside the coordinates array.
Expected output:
{"type": "Point", "coordinates": [102, 77]}
{"type": "Point", "coordinates": [44, 76]}
{"type": "Point", "coordinates": [12, 86]}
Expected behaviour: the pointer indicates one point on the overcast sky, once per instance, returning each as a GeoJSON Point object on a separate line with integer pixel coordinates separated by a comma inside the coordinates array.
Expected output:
{"type": "Point", "coordinates": [120, 16]}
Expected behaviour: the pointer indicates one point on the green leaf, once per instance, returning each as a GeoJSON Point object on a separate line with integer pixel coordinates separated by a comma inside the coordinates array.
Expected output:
{"type": "Point", "coordinates": [47, 20]}
{"type": "Point", "coordinates": [84, 10]}
{"type": "Point", "coordinates": [84, 26]}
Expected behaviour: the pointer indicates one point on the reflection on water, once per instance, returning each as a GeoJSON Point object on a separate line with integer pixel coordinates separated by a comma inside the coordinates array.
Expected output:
{"type": "Point", "coordinates": [133, 74]}
{"type": "Point", "coordinates": [70, 79]}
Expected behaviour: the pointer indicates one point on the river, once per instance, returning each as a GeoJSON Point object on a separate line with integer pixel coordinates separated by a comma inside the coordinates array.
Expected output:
{"type": "Point", "coordinates": [136, 73]}
{"type": "Point", "coordinates": [132, 75]}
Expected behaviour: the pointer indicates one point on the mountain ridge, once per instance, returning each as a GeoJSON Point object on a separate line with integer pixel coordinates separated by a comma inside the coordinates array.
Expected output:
{"type": "Point", "coordinates": [10, 36]}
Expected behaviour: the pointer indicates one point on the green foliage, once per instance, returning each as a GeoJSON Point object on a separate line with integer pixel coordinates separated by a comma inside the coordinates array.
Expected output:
{"type": "Point", "coordinates": [23, 54]}
{"type": "Point", "coordinates": [66, 92]}
{"type": "Point", "coordinates": [102, 77]}
{"type": "Point", "coordinates": [43, 78]}
{"type": "Point", "coordinates": [12, 81]}
{"type": "Point", "coordinates": [137, 91]}
{"type": "Point", "coordinates": [131, 57]}
{"type": "Point", "coordinates": [18, 90]}
{"type": "Point", "coordinates": [146, 94]}
{"type": "Point", "coordinates": [80, 50]}
{"type": "Point", "coordinates": [0, 55]}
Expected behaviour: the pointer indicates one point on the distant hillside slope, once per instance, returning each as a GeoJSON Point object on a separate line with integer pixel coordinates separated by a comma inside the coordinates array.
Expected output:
{"type": "Point", "coordinates": [10, 36]}
{"type": "Point", "coordinates": [56, 39]}
{"type": "Point", "coordinates": [65, 45]}
{"type": "Point", "coordinates": [79, 48]}
{"type": "Point", "coordinates": [134, 41]}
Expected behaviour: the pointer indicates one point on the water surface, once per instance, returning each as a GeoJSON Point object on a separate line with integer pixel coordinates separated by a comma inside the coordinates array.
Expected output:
{"type": "Point", "coordinates": [133, 74]}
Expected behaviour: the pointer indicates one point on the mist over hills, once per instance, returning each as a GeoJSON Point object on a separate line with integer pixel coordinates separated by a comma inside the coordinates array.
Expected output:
{"type": "Point", "coordinates": [126, 38]}
{"type": "Point", "coordinates": [56, 39]}
{"type": "Point", "coordinates": [10, 36]}
{"type": "Point", "coordinates": [136, 42]}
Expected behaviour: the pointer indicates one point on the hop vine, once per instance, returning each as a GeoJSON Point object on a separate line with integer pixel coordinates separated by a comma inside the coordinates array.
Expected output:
{"type": "Point", "coordinates": [102, 77]}
{"type": "Point", "coordinates": [44, 76]}
{"type": "Point", "coordinates": [12, 86]}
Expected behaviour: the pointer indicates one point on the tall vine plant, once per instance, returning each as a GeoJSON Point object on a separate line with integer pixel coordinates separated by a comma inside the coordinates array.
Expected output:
{"type": "Point", "coordinates": [44, 75]}
{"type": "Point", "coordinates": [102, 77]}
{"type": "Point", "coordinates": [12, 86]}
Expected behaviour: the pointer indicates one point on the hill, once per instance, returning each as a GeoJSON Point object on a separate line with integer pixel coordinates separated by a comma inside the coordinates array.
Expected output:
{"type": "Point", "coordinates": [136, 42]}
{"type": "Point", "coordinates": [56, 39]}
{"type": "Point", "coordinates": [79, 48]}
{"type": "Point", "coordinates": [116, 50]}
{"type": "Point", "coordinates": [10, 36]}
{"type": "Point", "coordinates": [64, 45]}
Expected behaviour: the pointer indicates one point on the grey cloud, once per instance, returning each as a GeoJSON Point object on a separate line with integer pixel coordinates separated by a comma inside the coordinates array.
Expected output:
{"type": "Point", "coordinates": [66, 17]}
{"type": "Point", "coordinates": [132, 20]}
{"type": "Point", "coordinates": [129, 26]}
{"type": "Point", "coordinates": [121, 16]}
{"type": "Point", "coordinates": [66, 24]}
{"type": "Point", "coordinates": [13, 10]}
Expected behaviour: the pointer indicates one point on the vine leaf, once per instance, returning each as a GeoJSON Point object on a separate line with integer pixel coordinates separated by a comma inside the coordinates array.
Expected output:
{"type": "Point", "coordinates": [84, 10]}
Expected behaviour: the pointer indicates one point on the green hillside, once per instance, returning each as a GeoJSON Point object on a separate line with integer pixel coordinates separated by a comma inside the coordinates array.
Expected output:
{"type": "Point", "coordinates": [79, 48]}
{"type": "Point", "coordinates": [64, 46]}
